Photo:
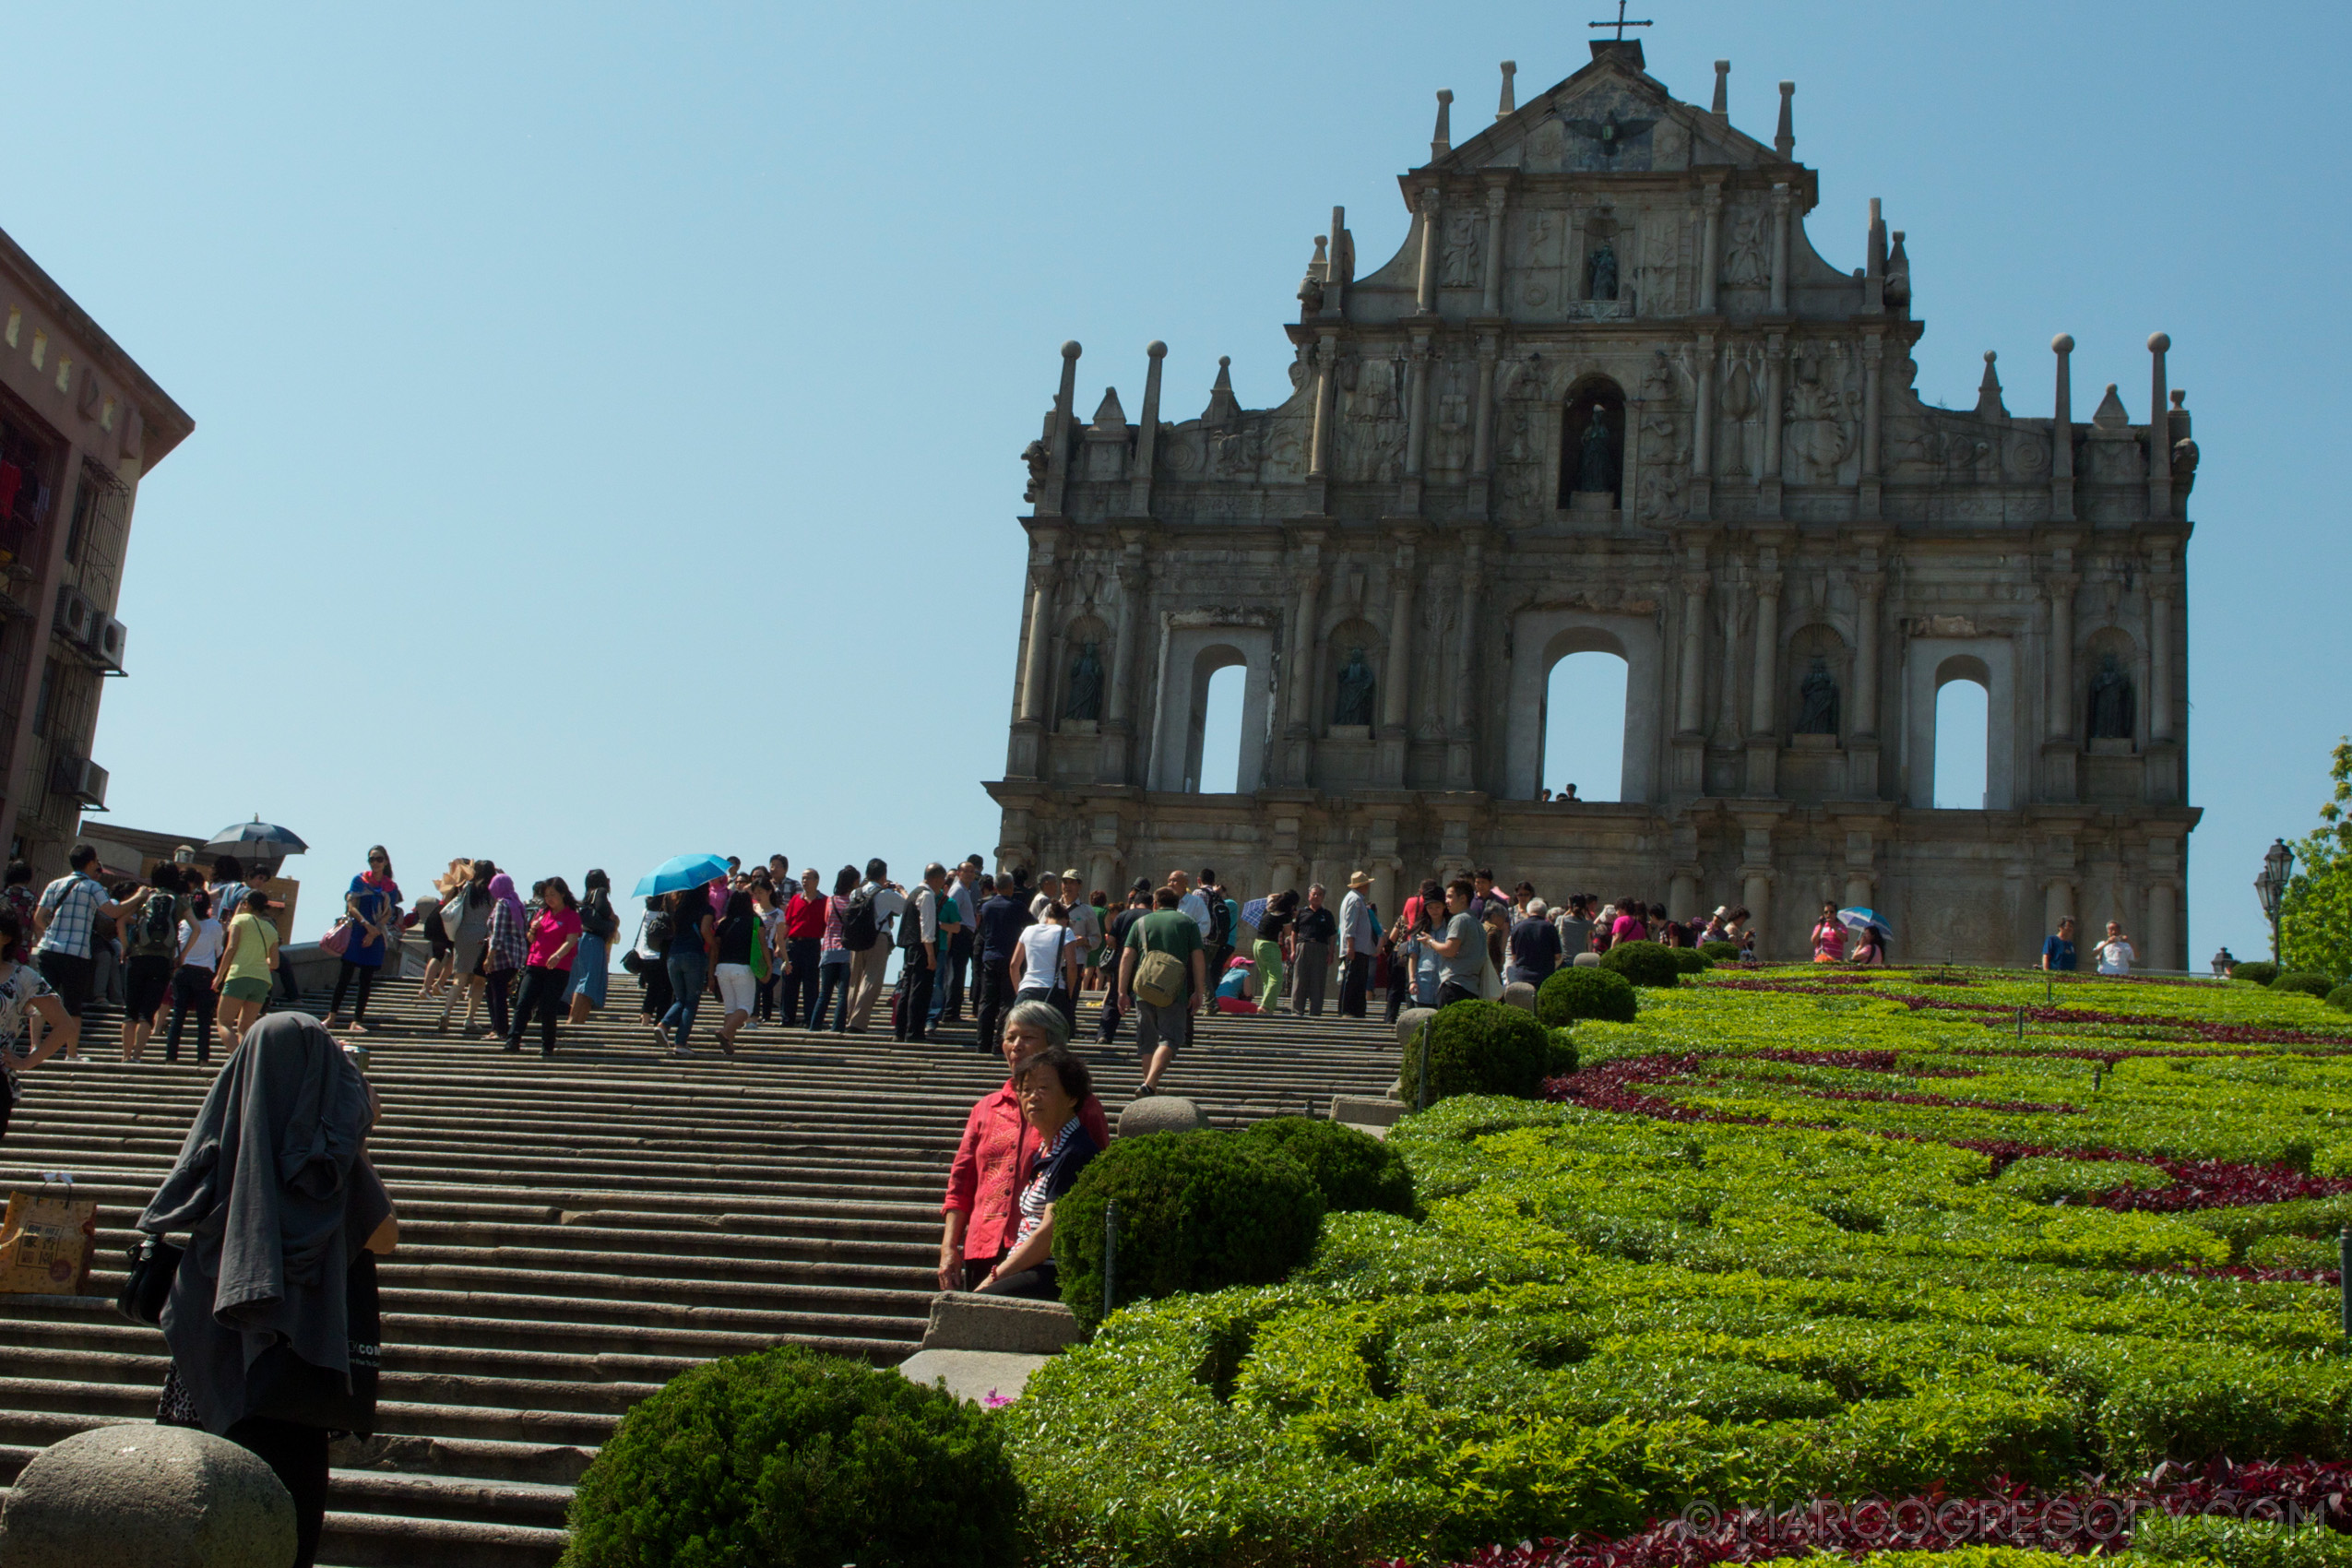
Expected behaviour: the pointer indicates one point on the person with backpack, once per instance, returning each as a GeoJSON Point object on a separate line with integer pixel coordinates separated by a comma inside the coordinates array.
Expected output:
{"type": "Point", "coordinates": [465, 915]}
{"type": "Point", "coordinates": [370, 905]}
{"type": "Point", "coordinates": [866, 933]}
{"type": "Point", "coordinates": [1003, 914]}
{"type": "Point", "coordinates": [1138, 906]}
{"type": "Point", "coordinates": [919, 946]}
{"type": "Point", "coordinates": [833, 954]}
{"type": "Point", "coordinates": [685, 954]}
{"type": "Point", "coordinates": [1224, 919]}
{"type": "Point", "coordinates": [198, 956]}
{"type": "Point", "coordinates": [1045, 965]}
{"type": "Point", "coordinates": [592, 960]}
{"type": "Point", "coordinates": [1163, 975]}
{"type": "Point", "coordinates": [151, 942]}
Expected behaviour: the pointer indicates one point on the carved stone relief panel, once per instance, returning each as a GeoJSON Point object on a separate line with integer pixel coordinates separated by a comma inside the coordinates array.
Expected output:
{"type": "Point", "coordinates": [1822, 412]}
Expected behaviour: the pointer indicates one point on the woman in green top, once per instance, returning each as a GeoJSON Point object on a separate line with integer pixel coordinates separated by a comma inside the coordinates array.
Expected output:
{"type": "Point", "coordinates": [244, 980]}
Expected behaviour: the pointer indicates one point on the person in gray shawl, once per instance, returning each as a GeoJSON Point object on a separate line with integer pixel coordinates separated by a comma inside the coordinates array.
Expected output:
{"type": "Point", "coordinates": [274, 1188]}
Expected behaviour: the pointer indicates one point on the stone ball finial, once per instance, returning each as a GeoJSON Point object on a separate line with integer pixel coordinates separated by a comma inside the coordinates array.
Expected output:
{"type": "Point", "coordinates": [1070, 351]}
{"type": "Point", "coordinates": [2159, 342]}
{"type": "Point", "coordinates": [142, 1496]}
{"type": "Point", "coordinates": [1990, 356]}
{"type": "Point", "coordinates": [1156, 348]}
{"type": "Point", "coordinates": [1225, 361]}
{"type": "Point", "coordinates": [2063, 344]}
{"type": "Point", "coordinates": [2180, 397]}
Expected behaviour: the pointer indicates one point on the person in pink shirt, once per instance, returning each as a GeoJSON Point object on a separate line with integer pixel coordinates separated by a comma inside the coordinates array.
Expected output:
{"type": "Point", "coordinates": [554, 935]}
{"type": "Point", "coordinates": [1829, 937]}
{"type": "Point", "coordinates": [1629, 926]}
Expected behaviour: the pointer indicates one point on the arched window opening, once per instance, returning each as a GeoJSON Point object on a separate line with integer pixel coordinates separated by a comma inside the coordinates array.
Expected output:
{"type": "Point", "coordinates": [1963, 731]}
{"type": "Point", "coordinates": [1583, 726]}
{"type": "Point", "coordinates": [1216, 750]}
{"type": "Point", "coordinates": [1592, 446]}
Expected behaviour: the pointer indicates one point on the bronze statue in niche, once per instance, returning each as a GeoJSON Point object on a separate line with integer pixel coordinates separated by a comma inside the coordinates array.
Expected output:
{"type": "Point", "coordinates": [1086, 686]}
{"type": "Point", "coordinates": [1817, 700]}
{"type": "Point", "coordinates": [2112, 706]}
{"type": "Point", "coordinates": [1355, 702]}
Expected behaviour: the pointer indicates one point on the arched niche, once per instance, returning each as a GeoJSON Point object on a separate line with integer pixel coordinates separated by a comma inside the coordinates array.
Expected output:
{"type": "Point", "coordinates": [1543, 638]}
{"type": "Point", "coordinates": [2112, 712]}
{"type": "Point", "coordinates": [1334, 687]}
{"type": "Point", "coordinates": [1082, 695]}
{"type": "Point", "coordinates": [1593, 465]}
{"type": "Point", "coordinates": [1930, 664]}
{"type": "Point", "coordinates": [1807, 644]}
{"type": "Point", "coordinates": [1189, 657]}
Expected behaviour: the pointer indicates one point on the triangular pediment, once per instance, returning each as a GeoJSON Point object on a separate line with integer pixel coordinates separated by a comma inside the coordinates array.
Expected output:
{"type": "Point", "coordinates": [1607, 118]}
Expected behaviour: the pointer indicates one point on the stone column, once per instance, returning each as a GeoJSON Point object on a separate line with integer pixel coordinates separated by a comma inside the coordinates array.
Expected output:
{"type": "Point", "coordinates": [1687, 684]}
{"type": "Point", "coordinates": [1102, 872]}
{"type": "Point", "coordinates": [1761, 703]}
{"type": "Point", "coordinates": [1397, 677]}
{"type": "Point", "coordinates": [2060, 718]}
{"type": "Point", "coordinates": [1861, 708]}
{"type": "Point", "coordinates": [1775, 380]}
{"type": "Point", "coordinates": [1682, 896]}
{"type": "Point", "coordinates": [1299, 675]}
{"type": "Point", "coordinates": [2158, 949]}
{"type": "Point", "coordinates": [1780, 249]}
{"type": "Point", "coordinates": [1711, 249]}
{"type": "Point", "coordinates": [1425, 298]}
{"type": "Point", "coordinates": [1703, 433]}
{"type": "Point", "coordinates": [1326, 388]}
{"type": "Point", "coordinates": [1035, 677]}
{"type": "Point", "coordinates": [1148, 436]}
{"type": "Point", "coordinates": [2062, 432]}
{"type": "Point", "coordinates": [2058, 903]}
{"type": "Point", "coordinates": [2159, 661]}
{"type": "Point", "coordinates": [1118, 759]}
{"type": "Point", "coordinates": [1416, 409]}
{"type": "Point", "coordinates": [2160, 432]}
{"type": "Point", "coordinates": [1859, 893]}
{"type": "Point", "coordinates": [1458, 758]}
{"type": "Point", "coordinates": [1497, 196]}
{"type": "Point", "coordinates": [1756, 890]}
{"type": "Point", "coordinates": [1873, 399]}
{"type": "Point", "coordinates": [1483, 427]}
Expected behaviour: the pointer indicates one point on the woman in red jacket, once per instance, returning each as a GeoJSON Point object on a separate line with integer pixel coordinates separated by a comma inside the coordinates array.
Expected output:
{"type": "Point", "coordinates": [983, 1185]}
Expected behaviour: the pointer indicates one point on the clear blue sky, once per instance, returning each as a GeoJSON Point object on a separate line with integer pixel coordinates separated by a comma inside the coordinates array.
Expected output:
{"type": "Point", "coordinates": [608, 418]}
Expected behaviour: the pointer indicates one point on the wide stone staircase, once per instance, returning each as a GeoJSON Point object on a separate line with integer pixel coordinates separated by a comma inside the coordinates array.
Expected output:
{"type": "Point", "coordinates": [576, 1232]}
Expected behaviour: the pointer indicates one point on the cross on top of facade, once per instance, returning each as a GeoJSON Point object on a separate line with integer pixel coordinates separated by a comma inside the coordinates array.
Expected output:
{"type": "Point", "coordinates": [1620, 24]}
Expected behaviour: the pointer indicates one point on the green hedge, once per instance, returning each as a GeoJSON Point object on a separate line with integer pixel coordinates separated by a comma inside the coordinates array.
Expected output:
{"type": "Point", "coordinates": [2341, 997]}
{"type": "Point", "coordinates": [1588, 993]}
{"type": "Point", "coordinates": [1197, 1211]}
{"type": "Point", "coordinates": [1351, 1168]}
{"type": "Point", "coordinates": [1645, 963]}
{"type": "Point", "coordinates": [799, 1460]}
{"type": "Point", "coordinates": [2261, 971]}
{"type": "Point", "coordinates": [2237, 1543]}
{"type": "Point", "coordinates": [1559, 1052]}
{"type": "Point", "coordinates": [1721, 952]}
{"type": "Point", "coordinates": [2303, 980]}
{"type": "Point", "coordinates": [1689, 960]}
{"type": "Point", "coordinates": [1475, 1047]}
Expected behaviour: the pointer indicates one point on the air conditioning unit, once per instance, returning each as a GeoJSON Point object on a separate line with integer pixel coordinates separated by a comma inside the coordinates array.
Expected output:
{"type": "Point", "coordinates": [110, 636]}
{"type": "Point", "coordinates": [81, 778]}
{"type": "Point", "coordinates": [75, 614]}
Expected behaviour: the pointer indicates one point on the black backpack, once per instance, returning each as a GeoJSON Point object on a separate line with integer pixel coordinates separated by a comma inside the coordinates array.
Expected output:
{"type": "Point", "coordinates": [658, 929]}
{"type": "Point", "coordinates": [1220, 918]}
{"type": "Point", "coordinates": [159, 921]}
{"type": "Point", "coordinates": [858, 930]}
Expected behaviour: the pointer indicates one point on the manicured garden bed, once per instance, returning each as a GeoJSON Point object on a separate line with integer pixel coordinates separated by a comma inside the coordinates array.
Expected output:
{"type": "Point", "coordinates": [1786, 1236]}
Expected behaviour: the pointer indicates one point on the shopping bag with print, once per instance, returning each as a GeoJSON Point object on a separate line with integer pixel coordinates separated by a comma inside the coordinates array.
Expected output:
{"type": "Point", "coordinates": [46, 1241]}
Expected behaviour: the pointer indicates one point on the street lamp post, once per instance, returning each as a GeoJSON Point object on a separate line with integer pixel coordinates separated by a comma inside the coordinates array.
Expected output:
{"type": "Point", "coordinates": [2279, 865]}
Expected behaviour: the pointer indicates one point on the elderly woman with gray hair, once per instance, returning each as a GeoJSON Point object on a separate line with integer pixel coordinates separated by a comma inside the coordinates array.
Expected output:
{"type": "Point", "coordinates": [1001, 1146]}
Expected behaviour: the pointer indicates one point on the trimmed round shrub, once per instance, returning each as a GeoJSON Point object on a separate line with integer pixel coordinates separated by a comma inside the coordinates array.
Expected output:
{"type": "Point", "coordinates": [2305, 981]}
{"type": "Point", "coordinates": [1559, 1052]}
{"type": "Point", "coordinates": [1197, 1211]}
{"type": "Point", "coordinates": [1476, 1048]}
{"type": "Point", "coordinates": [2261, 972]}
{"type": "Point", "coordinates": [1689, 960]}
{"type": "Point", "coordinates": [1353, 1170]}
{"type": "Point", "coordinates": [1645, 963]}
{"type": "Point", "coordinates": [1588, 993]}
{"type": "Point", "coordinates": [803, 1460]}
{"type": "Point", "coordinates": [2341, 997]}
{"type": "Point", "coordinates": [1720, 951]}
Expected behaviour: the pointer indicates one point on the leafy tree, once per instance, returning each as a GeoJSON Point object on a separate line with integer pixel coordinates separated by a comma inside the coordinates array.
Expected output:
{"type": "Point", "coordinates": [2315, 917]}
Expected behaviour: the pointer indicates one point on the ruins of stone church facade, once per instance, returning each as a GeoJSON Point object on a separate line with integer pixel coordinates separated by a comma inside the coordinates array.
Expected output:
{"type": "Point", "coordinates": [1608, 396]}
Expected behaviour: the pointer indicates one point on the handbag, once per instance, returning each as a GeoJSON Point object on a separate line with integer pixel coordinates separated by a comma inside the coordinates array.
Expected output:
{"type": "Point", "coordinates": [338, 940]}
{"type": "Point", "coordinates": [46, 1241]}
{"type": "Point", "coordinates": [282, 1386]}
{"type": "Point", "coordinates": [155, 1263]}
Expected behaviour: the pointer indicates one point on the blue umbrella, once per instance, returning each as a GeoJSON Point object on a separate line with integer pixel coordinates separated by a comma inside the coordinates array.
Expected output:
{"type": "Point", "coordinates": [1863, 920]}
{"type": "Point", "coordinates": [679, 873]}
